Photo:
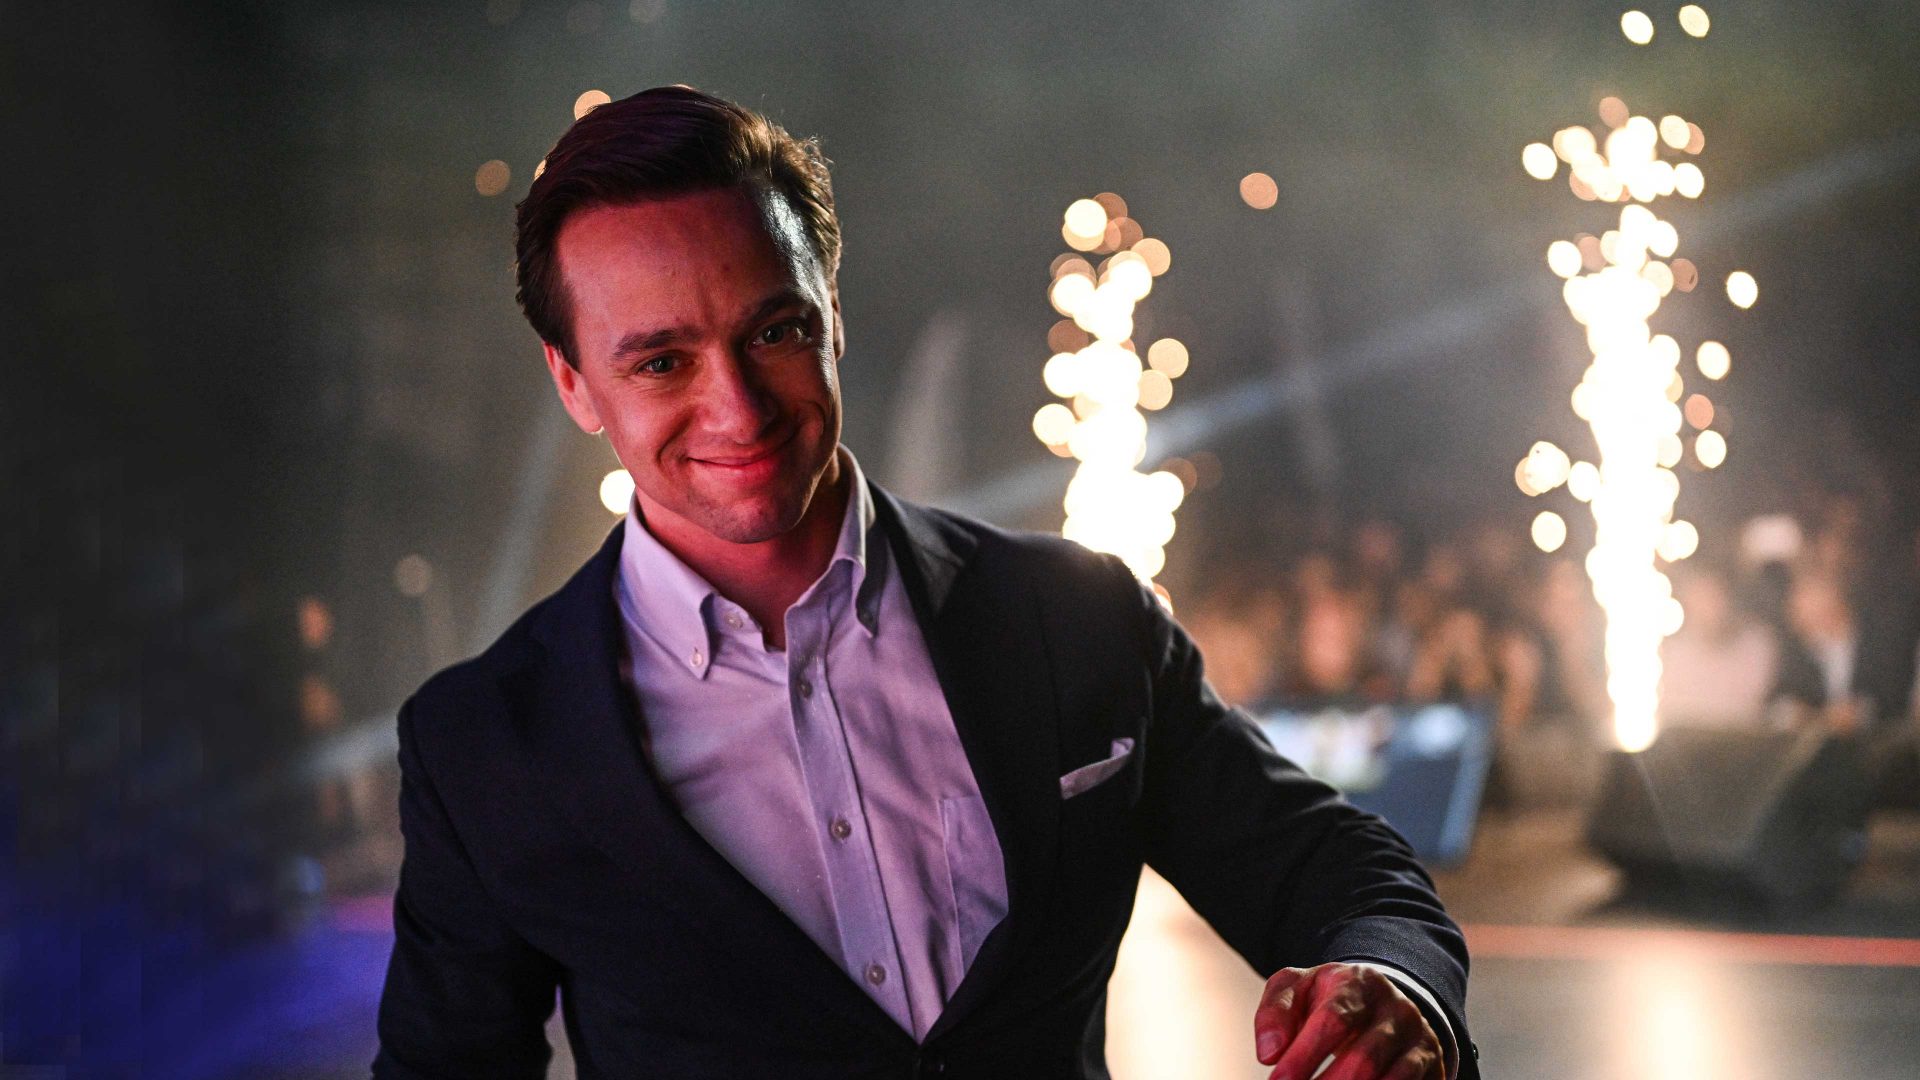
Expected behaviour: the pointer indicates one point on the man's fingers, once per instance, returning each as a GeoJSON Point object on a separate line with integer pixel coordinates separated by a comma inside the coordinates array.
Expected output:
{"type": "Point", "coordinates": [1336, 1017]}
{"type": "Point", "coordinates": [1277, 1018]}
{"type": "Point", "coordinates": [1419, 1063]}
{"type": "Point", "coordinates": [1376, 1052]}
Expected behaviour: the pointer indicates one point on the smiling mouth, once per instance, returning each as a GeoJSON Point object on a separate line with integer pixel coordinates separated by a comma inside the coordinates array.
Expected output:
{"type": "Point", "coordinates": [747, 461]}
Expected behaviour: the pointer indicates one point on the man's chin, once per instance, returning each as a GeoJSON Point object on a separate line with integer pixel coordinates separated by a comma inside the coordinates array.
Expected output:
{"type": "Point", "coordinates": [752, 521]}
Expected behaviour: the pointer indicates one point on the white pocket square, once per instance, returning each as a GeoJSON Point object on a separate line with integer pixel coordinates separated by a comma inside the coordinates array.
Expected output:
{"type": "Point", "coordinates": [1088, 776]}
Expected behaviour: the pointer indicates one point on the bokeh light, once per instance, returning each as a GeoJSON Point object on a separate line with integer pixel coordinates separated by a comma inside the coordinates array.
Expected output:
{"type": "Point", "coordinates": [1742, 289]}
{"type": "Point", "coordinates": [1685, 274]}
{"type": "Point", "coordinates": [1549, 531]}
{"type": "Point", "coordinates": [492, 177]}
{"type": "Point", "coordinates": [1688, 180]}
{"type": "Point", "coordinates": [1539, 161]}
{"type": "Point", "coordinates": [1563, 258]}
{"type": "Point", "coordinates": [1053, 423]}
{"type": "Point", "coordinates": [1693, 19]}
{"type": "Point", "coordinates": [588, 102]}
{"type": "Point", "coordinates": [616, 491]}
{"type": "Point", "coordinates": [1698, 411]}
{"type": "Point", "coordinates": [1710, 449]}
{"type": "Point", "coordinates": [1158, 258]}
{"type": "Point", "coordinates": [1713, 360]}
{"type": "Point", "coordinates": [1637, 26]}
{"type": "Point", "coordinates": [1169, 357]}
{"type": "Point", "coordinates": [1259, 191]}
{"type": "Point", "coordinates": [1156, 390]}
{"type": "Point", "coordinates": [413, 575]}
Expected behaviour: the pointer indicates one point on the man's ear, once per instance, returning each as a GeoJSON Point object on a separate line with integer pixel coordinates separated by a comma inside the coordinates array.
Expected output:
{"type": "Point", "coordinates": [839, 324]}
{"type": "Point", "coordinates": [572, 387]}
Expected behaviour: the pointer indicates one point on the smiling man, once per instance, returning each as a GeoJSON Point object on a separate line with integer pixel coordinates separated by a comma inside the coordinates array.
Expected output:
{"type": "Point", "coordinates": [795, 778]}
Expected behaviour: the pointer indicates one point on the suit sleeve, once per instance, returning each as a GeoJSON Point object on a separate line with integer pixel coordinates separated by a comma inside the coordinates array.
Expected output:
{"type": "Point", "coordinates": [465, 995]}
{"type": "Point", "coordinates": [1285, 869]}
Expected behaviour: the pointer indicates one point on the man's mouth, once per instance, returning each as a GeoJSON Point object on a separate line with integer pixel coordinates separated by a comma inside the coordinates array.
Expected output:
{"type": "Point", "coordinates": [747, 463]}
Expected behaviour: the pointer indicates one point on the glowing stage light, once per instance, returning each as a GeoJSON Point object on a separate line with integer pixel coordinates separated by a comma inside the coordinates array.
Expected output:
{"type": "Point", "coordinates": [1110, 505]}
{"type": "Point", "coordinates": [1693, 19]}
{"type": "Point", "coordinates": [1632, 396]}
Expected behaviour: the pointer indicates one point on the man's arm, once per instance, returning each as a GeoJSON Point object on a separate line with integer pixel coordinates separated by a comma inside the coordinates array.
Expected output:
{"type": "Point", "coordinates": [1289, 873]}
{"type": "Point", "coordinates": [465, 995]}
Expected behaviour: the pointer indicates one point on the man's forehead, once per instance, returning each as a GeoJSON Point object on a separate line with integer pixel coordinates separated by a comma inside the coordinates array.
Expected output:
{"type": "Point", "coordinates": [694, 220]}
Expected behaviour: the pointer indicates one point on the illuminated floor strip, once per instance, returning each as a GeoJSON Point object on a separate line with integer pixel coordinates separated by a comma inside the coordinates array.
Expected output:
{"type": "Point", "coordinates": [1615, 943]}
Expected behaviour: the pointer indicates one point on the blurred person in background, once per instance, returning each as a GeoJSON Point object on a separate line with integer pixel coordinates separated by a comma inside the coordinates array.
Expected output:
{"type": "Point", "coordinates": [1723, 666]}
{"type": "Point", "coordinates": [1243, 634]}
{"type": "Point", "coordinates": [1331, 651]}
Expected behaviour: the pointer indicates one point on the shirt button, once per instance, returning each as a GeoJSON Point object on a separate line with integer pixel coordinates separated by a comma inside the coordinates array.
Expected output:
{"type": "Point", "coordinates": [876, 974]}
{"type": "Point", "coordinates": [806, 689]}
{"type": "Point", "coordinates": [733, 620]}
{"type": "Point", "coordinates": [697, 658]}
{"type": "Point", "coordinates": [841, 828]}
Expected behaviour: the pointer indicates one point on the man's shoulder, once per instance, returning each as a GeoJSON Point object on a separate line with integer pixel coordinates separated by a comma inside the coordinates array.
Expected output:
{"type": "Point", "coordinates": [1041, 560]}
{"type": "Point", "coordinates": [474, 685]}
{"type": "Point", "coordinates": [478, 680]}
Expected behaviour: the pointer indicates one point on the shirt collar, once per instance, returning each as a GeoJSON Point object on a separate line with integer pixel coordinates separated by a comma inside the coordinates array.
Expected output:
{"type": "Point", "coordinates": [857, 546]}
{"type": "Point", "coordinates": [668, 602]}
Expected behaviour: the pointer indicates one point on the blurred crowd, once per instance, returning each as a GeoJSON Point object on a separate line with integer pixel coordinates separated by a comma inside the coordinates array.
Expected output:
{"type": "Point", "coordinates": [1790, 619]}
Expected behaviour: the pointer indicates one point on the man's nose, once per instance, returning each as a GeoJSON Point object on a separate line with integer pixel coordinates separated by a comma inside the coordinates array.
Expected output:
{"type": "Point", "coordinates": [737, 402]}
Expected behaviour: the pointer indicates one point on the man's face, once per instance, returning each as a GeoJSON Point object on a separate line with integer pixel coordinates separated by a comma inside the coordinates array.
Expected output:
{"type": "Point", "coordinates": [708, 337]}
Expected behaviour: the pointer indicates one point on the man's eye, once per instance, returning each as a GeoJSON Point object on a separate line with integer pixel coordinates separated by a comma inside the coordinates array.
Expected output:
{"type": "Point", "coordinates": [783, 333]}
{"type": "Point", "coordinates": [659, 365]}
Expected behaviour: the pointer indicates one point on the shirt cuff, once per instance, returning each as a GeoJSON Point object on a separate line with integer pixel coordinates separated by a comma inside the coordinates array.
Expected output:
{"type": "Point", "coordinates": [1436, 1016]}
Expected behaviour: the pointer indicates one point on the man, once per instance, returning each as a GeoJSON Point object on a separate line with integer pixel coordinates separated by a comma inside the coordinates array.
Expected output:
{"type": "Point", "coordinates": [794, 778]}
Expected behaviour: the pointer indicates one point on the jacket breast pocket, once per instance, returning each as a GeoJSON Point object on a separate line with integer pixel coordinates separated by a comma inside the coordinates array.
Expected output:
{"type": "Point", "coordinates": [1092, 775]}
{"type": "Point", "coordinates": [974, 869]}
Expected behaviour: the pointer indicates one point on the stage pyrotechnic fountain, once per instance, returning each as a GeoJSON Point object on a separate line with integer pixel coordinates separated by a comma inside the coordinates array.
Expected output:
{"type": "Point", "coordinates": [1631, 393]}
{"type": "Point", "coordinates": [1111, 506]}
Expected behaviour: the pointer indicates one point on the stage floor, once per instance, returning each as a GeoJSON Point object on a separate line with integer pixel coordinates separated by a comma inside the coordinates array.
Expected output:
{"type": "Point", "coordinates": [1569, 982]}
{"type": "Point", "coordinates": [1572, 982]}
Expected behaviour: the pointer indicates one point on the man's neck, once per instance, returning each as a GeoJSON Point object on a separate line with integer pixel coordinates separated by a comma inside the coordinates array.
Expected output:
{"type": "Point", "coordinates": [766, 578]}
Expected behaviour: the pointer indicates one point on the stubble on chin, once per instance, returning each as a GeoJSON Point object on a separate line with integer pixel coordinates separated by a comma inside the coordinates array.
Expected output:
{"type": "Point", "coordinates": [754, 521]}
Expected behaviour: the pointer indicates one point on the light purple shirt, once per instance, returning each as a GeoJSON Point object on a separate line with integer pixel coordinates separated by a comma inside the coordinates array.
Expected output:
{"type": "Point", "coordinates": [829, 774]}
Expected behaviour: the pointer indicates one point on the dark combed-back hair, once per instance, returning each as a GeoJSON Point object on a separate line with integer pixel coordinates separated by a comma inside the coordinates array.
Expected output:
{"type": "Point", "coordinates": [670, 140]}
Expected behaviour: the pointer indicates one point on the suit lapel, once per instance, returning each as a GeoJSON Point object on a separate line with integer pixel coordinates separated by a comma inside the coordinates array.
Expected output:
{"type": "Point", "coordinates": [984, 639]}
{"type": "Point", "coordinates": [581, 731]}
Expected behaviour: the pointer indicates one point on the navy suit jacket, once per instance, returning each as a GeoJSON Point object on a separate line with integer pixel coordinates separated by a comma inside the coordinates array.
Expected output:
{"type": "Point", "coordinates": [541, 853]}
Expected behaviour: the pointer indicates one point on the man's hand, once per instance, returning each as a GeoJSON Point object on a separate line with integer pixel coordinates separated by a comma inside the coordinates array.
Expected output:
{"type": "Point", "coordinates": [1358, 1015]}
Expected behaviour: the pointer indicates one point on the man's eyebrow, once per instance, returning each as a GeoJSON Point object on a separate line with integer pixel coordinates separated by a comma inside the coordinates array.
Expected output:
{"type": "Point", "coordinates": [783, 298]}
{"type": "Point", "coordinates": [639, 341]}
{"type": "Point", "coordinates": [645, 340]}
